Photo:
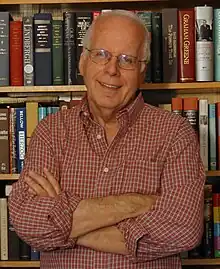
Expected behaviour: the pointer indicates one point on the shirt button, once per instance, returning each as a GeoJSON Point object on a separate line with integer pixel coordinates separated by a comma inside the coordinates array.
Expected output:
{"type": "Point", "coordinates": [99, 136]}
{"type": "Point", "coordinates": [106, 170]}
{"type": "Point", "coordinates": [85, 114]}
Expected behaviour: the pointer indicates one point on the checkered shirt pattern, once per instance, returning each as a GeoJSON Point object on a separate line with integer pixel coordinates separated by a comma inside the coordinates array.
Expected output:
{"type": "Point", "coordinates": [154, 151]}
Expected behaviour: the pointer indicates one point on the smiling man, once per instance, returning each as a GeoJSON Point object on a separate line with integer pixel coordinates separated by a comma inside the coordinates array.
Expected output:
{"type": "Point", "coordinates": [114, 182]}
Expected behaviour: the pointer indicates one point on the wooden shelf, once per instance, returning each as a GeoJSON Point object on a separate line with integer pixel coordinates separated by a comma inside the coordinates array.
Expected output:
{"type": "Point", "coordinates": [22, 264]}
{"type": "Point", "coordinates": [200, 262]}
{"type": "Point", "coordinates": [182, 86]}
{"type": "Point", "coordinates": [213, 173]}
{"type": "Point", "coordinates": [18, 2]}
{"type": "Point", "coordinates": [9, 176]}
{"type": "Point", "coordinates": [39, 89]}
{"type": "Point", "coordinates": [187, 87]}
{"type": "Point", "coordinates": [36, 264]}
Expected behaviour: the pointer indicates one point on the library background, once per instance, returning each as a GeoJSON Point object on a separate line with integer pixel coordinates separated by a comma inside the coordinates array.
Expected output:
{"type": "Point", "coordinates": [183, 76]}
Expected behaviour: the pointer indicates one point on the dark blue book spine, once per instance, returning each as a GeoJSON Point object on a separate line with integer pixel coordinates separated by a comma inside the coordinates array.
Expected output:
{"type": "Point", "coordinates": [21, 133]}
{"type": "Point", "coordinates": [43, 48]}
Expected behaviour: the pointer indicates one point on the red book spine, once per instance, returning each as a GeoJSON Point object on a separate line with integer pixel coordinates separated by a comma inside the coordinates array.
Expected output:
{"type": "Point", "coordinates": [16, 53]}
{"type": "Point", "coordinates": [186, 40]}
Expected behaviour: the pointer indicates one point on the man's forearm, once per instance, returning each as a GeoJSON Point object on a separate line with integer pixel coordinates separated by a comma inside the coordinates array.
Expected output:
{"type": "Point", "coordinates": [93, 214]}
{"type": "Point", "coordinates": [108, 239]}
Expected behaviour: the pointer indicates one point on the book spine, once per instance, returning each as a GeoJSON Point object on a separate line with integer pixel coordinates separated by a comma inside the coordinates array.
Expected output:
{"type": "Point", "coordinates": [42, 113]}
{"type": "Point", "coordinates": [57, 41]}
{"type": "Point", "coordinates": [177, 105]}
{"type": "Point", "coordinates": [24, 251]}
{"type": "Point", "coordinates": [21, 137]}
{"type": "Point", "coordinates": [28, 51]}
{"type": "Point", "coordinates": [4, 141]}
{"type": "Point", "coordinates": [204, 43]}
{"type": "Point", "coordinates": [4, 48]}
{"type": "Point", "coordinates": [4, 228]}
{"type": "Point", "coordinates": [170, 32]}
{"type": "Point", "coordinates": [186, 45]}
{"type": "Point", "coordinates": [35, 255]}
{"type": "Point", "coordinates": [216, 224]}
{"type": "Point", "coordinates": [218, 133]}
{"type": "Point", "coordinates": [146, 17]}
{"type": "Point", "coordinates": [212, 138]}
{"type": "Point", "coordinates": [16, 53]}
{"type": "Point", "coordinates": [32, 118]}
{"type": "Point", "coordinates": [69, 48]}
{"type": "Point", "coordinates": [208, 222]}
{"type": "Point", "coordinates": [216, 42]}
{"type": "Point", "coordinates": [83, 22]}
{"type": "Point", "coordinates": [12, 135]}
{"type": "Point", "coordinates": [13, 239]}
{"type": "Point", "coordinates": [157, 50]}
{"type": "Point", "coordinates": [190, 111]}
{"type": "Point", "coordinates": [203, 132]}
{"type": "Point", "coordinates": [43, 48]}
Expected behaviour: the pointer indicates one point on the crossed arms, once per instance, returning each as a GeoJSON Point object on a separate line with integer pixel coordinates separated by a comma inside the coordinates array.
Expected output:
{"type": "Point", "coordinates": [60, 219]}
{"type": "Point", "coordinates": [94, 219]}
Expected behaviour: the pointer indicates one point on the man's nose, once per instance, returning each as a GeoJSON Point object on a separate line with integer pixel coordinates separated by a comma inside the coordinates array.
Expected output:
{"type": "Point", "coordinates": [112, 66]}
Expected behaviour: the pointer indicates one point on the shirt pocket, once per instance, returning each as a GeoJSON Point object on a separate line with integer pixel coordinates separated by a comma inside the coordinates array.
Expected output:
{"type": "Point", "coordinates": [138, 176]}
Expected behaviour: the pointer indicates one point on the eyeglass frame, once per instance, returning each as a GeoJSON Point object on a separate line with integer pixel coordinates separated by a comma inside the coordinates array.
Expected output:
{"type": "Point", "coordinates": [111, 55]}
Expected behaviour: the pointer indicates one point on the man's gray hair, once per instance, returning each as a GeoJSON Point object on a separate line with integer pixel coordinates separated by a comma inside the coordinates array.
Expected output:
{"type": "Point", "coordinates": [88, 36]}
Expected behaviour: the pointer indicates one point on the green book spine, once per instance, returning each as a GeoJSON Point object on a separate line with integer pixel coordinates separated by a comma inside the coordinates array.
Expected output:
{"type": "Point", "coordinates": [57, 41]}
{"type": "Point", "coordinates": [146, 16]}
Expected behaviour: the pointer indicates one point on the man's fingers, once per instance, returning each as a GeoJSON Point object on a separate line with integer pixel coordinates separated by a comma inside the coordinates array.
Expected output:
{"type": "Point", "coordinates": [43, 183]}
{"type": "Point", "coordinates": [52, 181]}
{"type": "Point", "coordinates": [34, 187]}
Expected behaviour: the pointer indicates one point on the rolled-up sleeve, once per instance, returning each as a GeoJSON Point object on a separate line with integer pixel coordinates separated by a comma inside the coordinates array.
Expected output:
{"type": "Point", "coordinates": [175, 223]}
{"type": "Point", "coordinates": [43, 222]}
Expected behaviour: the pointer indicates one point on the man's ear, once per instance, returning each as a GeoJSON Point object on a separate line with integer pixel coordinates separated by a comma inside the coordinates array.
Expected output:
{"type": "Point", "coordinates": [81, 63]}
{"type": "Point", "coordinates": [143, 71]}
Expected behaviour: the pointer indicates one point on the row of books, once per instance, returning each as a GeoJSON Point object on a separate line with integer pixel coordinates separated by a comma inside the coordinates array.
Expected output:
{"type": "Point", "coordinates": [16, 127]}
{"type": "Point", "coordinates": [40, 50]}
{"type": "Point", "coordinates": [12, 247]}
{"type": "Point", "coordinates": [185, 44]}
{"type": "Point", "coordinates": [204, 118]}
{"type": "Point", "coordinates": [209, 246]}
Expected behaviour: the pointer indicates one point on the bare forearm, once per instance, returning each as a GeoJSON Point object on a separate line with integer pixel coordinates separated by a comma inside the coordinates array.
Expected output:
{"type": "Point", "coordinates": [108, 239]}
{"type": "Point", "coordinates": [93, 214]}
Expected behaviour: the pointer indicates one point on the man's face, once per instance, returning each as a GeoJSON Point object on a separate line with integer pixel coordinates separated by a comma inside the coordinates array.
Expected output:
{"type": "Point", "coordinates": [109, 86]}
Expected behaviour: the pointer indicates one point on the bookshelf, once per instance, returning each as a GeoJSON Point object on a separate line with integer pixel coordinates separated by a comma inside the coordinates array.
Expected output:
{"type": "Point", "coordinates": [20, 2]}
{"type": "Point", "coordinates": [179, 88]}
{"type": "Point", "coordinates": [21, 264]}
{"type": "Point", "coordinates": [193, 87]}
{"type": "Point", "coordinates": [36, 264]}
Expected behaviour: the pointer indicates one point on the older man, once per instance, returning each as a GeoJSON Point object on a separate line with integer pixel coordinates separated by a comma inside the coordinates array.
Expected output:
{"type": "Point", "coordinates": [112, 183]}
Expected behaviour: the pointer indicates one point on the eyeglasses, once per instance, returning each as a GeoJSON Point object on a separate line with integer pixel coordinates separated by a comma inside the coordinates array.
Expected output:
{"type": "Point", "coordinates": [101, 56]}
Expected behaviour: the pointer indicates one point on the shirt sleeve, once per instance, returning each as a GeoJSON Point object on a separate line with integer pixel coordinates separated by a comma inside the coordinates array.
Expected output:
{"type": "Point", "coordinates": [43, 222]}
{"type": "Point", "coordinates": [175, 223]}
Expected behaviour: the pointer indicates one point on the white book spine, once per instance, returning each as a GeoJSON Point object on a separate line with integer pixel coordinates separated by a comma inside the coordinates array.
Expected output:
{"type": "Point", "coordinates": [4, 228]}
{"type": "Point", "coordinates": [204, 43]}
{"type": "Point", "coordinates": [203, 132]}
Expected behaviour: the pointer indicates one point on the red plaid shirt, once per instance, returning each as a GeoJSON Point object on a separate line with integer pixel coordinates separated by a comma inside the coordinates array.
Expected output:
{"type": "Point", "coordinates": [154, 151]}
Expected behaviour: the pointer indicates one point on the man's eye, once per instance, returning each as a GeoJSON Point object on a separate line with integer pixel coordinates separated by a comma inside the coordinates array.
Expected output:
{"type": "Point", "coordinates": [100, 54]}
{"type": "Point", "coordinates": [126, 59]}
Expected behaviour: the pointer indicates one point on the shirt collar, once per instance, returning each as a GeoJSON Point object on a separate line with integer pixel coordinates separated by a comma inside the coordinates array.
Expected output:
{"type": "Point", "coordinates": [127, 115]}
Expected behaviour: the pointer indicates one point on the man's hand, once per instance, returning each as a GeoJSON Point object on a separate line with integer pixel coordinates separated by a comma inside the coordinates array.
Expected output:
{"type": "Point", "coordinates": [108, 239]}
{"type": "Point", "coordinates": [95, 213]}
{"type": "Point", "coordinates": [43, 186]}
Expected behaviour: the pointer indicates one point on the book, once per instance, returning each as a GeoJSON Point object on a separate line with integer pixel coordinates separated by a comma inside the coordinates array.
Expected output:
{"type": "Point", "coordinates": [204, 43]}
